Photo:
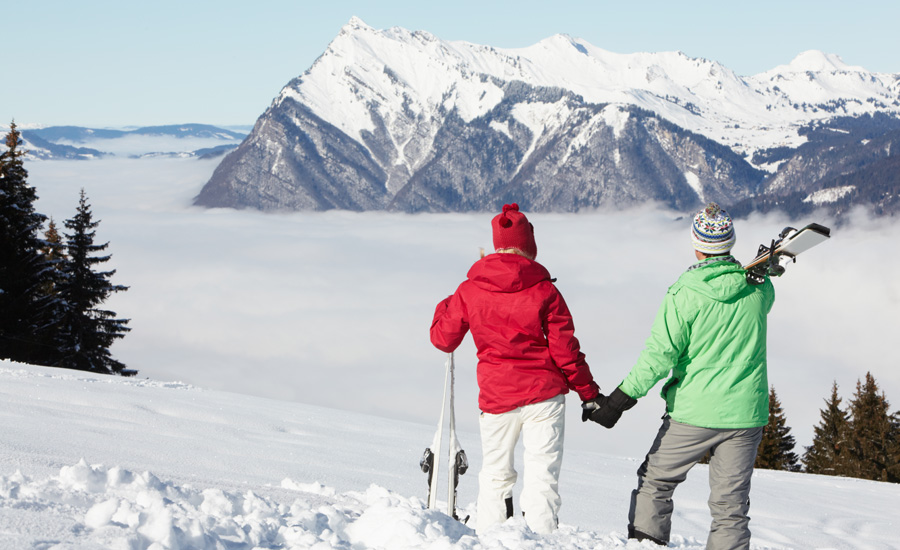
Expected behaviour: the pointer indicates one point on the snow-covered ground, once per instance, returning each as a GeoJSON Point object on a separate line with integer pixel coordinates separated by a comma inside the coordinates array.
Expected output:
{"type": "Point", "coordinates": [262, 318]}
{"type": "Point", "coordinates": [92, 462]}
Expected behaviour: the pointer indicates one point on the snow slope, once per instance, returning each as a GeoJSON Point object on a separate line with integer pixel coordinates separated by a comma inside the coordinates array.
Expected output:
{"type": "Point", "coordinates": [92, 462]}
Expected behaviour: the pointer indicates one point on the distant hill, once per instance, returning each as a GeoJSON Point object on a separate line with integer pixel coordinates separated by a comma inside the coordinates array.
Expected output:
{"type": "Point", "coordinates": [40, 147]}
{"type": "Point", "coordinates": [80, 134]}
{"type": "Point", "coordinates": [76, 142]}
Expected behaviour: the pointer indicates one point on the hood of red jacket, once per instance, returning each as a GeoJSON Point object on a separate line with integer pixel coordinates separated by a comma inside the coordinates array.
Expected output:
{"type": "Point", "coordinates": [507, 273]}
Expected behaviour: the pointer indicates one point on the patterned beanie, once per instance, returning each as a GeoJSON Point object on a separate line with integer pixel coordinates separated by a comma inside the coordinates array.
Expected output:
{"type": "Point", "coordinates": [713, 230]}
{"type": "Point", "coordinates": [512, 230]}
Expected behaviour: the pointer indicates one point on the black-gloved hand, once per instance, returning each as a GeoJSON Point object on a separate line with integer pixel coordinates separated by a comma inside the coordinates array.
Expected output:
{"type": "Point", "coordinates": [591, 405]}
{"type": "Point", "coordinates": [611, 410]}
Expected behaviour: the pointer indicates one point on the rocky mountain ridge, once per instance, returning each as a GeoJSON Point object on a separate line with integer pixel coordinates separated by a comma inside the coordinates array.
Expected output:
{"type": "Point", "coordinates": [402, 120]}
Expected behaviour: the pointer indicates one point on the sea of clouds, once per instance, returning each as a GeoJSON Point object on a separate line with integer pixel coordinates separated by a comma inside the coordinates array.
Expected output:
{"type": "Point", "coordinates": [333, 308]}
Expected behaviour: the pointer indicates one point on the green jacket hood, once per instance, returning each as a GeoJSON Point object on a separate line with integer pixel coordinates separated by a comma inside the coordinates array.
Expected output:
{"type": "Point", "coordinates": [715, 281]}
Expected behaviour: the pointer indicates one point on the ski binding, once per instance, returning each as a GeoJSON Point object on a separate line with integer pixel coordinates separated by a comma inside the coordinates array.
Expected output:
{"type": "Point", "coordinates": [770, 260]}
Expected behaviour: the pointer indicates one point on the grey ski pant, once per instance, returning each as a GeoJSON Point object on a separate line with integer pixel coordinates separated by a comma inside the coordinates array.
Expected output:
{"type": "Point", "coordinates": [674, 452]}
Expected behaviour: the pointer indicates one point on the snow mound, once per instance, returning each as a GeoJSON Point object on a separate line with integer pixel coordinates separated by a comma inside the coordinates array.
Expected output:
{"type": "Point", "coordinates": [117, 508]}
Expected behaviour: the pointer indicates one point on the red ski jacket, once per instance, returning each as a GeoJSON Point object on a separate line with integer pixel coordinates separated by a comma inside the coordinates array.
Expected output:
{"type": "Point", "coordinates": [527, 350]}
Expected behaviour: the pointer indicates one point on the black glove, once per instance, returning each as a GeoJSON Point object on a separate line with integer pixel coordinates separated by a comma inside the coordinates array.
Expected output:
{"type": "Point", "coordinates": [612, 408]}
{"type": "Point", "coordinates": [591, 405]}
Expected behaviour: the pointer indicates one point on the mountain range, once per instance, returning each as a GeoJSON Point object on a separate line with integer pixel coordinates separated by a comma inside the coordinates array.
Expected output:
{"type": "Point", "coordinates": [80, 143]}
{"type": "Point", "coordinates": [402, 120]}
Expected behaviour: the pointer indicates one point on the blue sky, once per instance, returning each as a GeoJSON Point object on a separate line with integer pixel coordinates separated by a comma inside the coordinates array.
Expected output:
{"type": "Point", "coordinates": [114, 63]}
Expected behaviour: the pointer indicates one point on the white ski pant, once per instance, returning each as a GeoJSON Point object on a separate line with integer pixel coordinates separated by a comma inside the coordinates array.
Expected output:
{"type": "Point", "coordinates": [542, 426]}
{"type": "Point", "coordinates": [677, 448]}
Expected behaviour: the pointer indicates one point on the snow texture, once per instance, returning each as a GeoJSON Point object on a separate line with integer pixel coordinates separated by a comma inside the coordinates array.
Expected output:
{"type": "Point", "coordinates": [832, 194]}
{"type": "Point", "coordinates": [101, 462]}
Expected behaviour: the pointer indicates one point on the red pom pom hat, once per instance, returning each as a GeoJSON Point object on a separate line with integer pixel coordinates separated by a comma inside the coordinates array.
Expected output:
{"type": "Point", "coordinates": [512, 230]}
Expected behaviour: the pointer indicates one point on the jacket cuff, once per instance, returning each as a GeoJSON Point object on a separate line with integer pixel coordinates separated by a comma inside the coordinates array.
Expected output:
{"type": "Point", "coordinates": [591, 392]}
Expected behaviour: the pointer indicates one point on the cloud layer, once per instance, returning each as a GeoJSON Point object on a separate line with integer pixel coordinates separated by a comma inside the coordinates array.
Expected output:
{"type": "Point", "coordinates": [333, 308]}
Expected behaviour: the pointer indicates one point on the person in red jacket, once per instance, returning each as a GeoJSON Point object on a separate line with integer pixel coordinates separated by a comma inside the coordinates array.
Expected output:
{"type": "Point", "coordinates": [528, 359]}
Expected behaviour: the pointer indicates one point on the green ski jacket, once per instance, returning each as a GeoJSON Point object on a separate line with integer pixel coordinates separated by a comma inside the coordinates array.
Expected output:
{"type": "Point", "coordinates": [709, 338]}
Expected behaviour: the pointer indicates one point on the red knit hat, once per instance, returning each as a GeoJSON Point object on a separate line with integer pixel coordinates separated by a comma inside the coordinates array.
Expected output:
{"type": "Point", "coordinates": [512, 230]}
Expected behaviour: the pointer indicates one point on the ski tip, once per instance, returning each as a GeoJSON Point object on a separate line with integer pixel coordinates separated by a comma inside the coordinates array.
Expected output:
{"type": "Point", "coordinates": [818, 228]}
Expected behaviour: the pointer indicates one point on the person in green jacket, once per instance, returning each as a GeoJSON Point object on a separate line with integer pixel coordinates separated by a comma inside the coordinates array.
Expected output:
{"type": "Point", "coordinates": [709, 340]}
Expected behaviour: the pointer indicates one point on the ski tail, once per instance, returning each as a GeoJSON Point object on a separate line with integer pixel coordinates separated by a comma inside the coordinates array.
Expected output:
{"type": "Point", "coordinates": [460, 466]}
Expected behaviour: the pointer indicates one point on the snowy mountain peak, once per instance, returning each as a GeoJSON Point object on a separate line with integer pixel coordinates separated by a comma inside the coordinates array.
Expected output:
{"type": "Point", "coordinates": [416, 72]}
{"type": "Point", "coordinates": [817, 61]}
{"type": "Point", "coordinates": [564, 43]}
{"type": "Point", "coordinates": [577, 44]}
{"type": "Point", "coordinates": [389, 98]}
{"type": "Point", "coordinates": [356, 24]}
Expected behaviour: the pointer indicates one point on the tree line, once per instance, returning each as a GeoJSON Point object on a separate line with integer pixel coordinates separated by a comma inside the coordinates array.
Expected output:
{"type": "Point", "coordinates": [862, 441]}
{"type": "Point", "coordinates": [51, 293]}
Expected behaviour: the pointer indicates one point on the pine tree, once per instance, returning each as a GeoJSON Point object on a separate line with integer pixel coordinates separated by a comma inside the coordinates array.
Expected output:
{"type": "Point", "coordinates": [86, 332]}
{"type": "Point", "coordinates": [894, 451]}
{"type": "Point", "coordinates": [828, 453]}
{"type": "Point", "coordinates": [776, 448]}
{"type": "Point", "coordinates": [54, 252]}
{"type": "Point", "coordinates": [873, 449]}
{"type": "Point", "coordinates": [24, 270]}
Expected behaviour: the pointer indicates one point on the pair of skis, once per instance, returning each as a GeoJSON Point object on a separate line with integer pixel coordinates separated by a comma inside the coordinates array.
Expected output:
{"type": "Point", "coordinates": [457, 463]}
{"type": "Point", "coordinates": [770, 260]}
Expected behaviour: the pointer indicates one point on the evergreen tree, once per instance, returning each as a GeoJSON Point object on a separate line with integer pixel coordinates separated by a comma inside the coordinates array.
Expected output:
{"type": "Point", "coordinates": [874, 439]}
{"type": "Point", "coordinates": [54, 252]}
{"type": "Point", "coordinates": [24, 271]}
{"type": "Point", "coordinates": [776, 450]}
{"type": "Point", "coordinates": [86, 332]}
{"type": "Point", "coordinates": [828, 453]}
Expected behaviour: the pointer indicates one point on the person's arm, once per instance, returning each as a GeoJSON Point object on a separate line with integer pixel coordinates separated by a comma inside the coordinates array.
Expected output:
{"type": "Point", "coordinates": [668, 339]}
{"type": "Point", "coordinates": [565, 349]}
{"type": "Point", "coordinates": [450, 324]}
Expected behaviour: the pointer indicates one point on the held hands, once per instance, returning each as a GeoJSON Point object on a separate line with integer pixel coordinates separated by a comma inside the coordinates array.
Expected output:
{"type": "Point", "coordinates": [592, 405]}
{"type": "Point", "coordinates": [606, 411]}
